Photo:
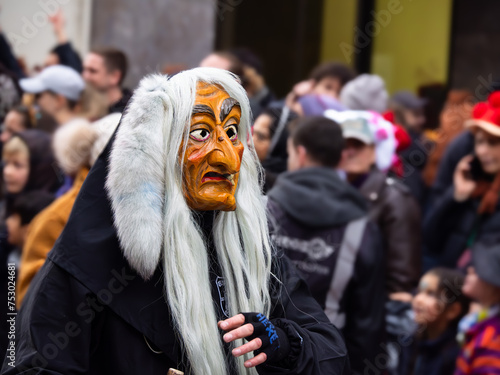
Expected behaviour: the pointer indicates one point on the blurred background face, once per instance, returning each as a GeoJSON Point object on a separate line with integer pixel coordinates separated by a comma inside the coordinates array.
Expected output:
{"type": "Point", "coordinates": [262, 135]}
{"type": "Point", "coordinates": [357, 157]}
{"type": "Point", "coordinates": [479, 290]}
{"type": "Point", "coordinates": [13, 123]}
{"type": "Point", "coordinates": [487, 149]}
{"type": "Point", "coordinates": [49, 102]}
{"type": "Point", "coordinates": [426, 305]}
{"type": "Point", "coordinates": [96, 74]}
{"type": "Point", "coordinates": [15, 171]}
{"type": "Point", "coordinates": [329, 86]}
{"type": "Point", "coordinates": [414, 119]}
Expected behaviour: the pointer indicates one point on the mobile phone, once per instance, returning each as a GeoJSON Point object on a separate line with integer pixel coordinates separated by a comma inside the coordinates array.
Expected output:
{"type": "Point", "coordinates": [476, 170]}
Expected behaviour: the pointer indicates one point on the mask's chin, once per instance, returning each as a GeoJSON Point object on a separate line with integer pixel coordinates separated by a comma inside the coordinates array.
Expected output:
{"type": "Point", "coordinates": [222, 202]}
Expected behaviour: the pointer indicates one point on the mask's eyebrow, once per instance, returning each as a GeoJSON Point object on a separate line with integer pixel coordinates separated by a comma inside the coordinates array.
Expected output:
{"type": "Point", "coordinates": [202, 108]}
{"type": "Point", "coordinates": [226, 107]}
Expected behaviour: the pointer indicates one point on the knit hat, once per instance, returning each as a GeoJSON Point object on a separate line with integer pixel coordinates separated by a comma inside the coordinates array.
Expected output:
{"type": "Point", "coordinates": [486, 115]}
{"type": "Point", "coordinates": [366, 92]}
{"type": "Point", "coordinates": [486, 260]}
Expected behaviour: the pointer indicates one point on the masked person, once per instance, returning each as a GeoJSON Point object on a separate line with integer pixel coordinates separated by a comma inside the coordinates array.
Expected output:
{"type": "Point", "coordinates": [166, 260]}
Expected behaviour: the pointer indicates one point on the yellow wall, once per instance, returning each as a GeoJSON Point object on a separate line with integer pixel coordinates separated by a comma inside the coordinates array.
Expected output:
{"type": "Point", "coordinates": [412, 49]}
{"type": "Point", "coordinates": [339, 20]}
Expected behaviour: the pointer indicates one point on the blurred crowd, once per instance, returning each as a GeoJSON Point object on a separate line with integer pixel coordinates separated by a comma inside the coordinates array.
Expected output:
{"type": "Point", "coordinates": [388, 205]}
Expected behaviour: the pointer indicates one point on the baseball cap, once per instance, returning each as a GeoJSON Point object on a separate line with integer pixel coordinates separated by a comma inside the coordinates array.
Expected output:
{"type": "Point", "coordinates": [358, 129]}
{"type": "Point", "coordinates": [409, 100]}
{"type": "Point", "coordinates": [56, 78]}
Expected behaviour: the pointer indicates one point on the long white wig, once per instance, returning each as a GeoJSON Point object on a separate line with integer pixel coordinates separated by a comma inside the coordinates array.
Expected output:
{"type": "Point", "coordinates": [154, 222]}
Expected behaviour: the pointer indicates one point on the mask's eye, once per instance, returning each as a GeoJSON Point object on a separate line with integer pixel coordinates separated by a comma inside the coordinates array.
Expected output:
{"type": "Point", "coordinates": [199, 135]}
{"type": "Point", "coordinates": [232, 132]}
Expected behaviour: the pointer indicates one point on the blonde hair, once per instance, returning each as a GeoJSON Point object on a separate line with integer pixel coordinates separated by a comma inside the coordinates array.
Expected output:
{"type": "Point", "coordinates": [14, 146]}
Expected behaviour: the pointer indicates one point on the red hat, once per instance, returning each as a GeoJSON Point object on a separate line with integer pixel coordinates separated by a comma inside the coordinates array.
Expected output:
{"type": "Point", "coordinates": [486, 115]}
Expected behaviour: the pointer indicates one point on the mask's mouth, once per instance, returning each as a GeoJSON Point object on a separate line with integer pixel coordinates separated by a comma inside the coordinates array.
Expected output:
{"type": "Point", "coordinates": [214, 176]}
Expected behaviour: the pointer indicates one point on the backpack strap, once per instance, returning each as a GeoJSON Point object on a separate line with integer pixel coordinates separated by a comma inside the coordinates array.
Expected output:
{"type": "Point", "coordinates": [344, 270]}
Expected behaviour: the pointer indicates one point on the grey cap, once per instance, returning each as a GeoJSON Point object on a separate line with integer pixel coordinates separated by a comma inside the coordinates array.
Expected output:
{"type": "Point", "coordinates": [357, 129]}
{"type": "Point", "coordinates": [56, 78]}
{"type": "Point", "coordinates": [409, 100]}
{"type": "Point", "coordinates": [486, 261]}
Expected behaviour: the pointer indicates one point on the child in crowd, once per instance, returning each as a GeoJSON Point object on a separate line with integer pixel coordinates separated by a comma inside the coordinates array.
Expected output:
{"type": "Point", "coordinates": [438, 307]}
{"type": "Point", "coordinates": [480, 330]}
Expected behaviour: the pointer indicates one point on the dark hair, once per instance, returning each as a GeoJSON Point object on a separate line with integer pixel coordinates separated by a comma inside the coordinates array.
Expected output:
{"type": "Point", "coordinates": [450, 289]}
{"type": "Point", "coordinates": [114, 59]}
{"type": "Point", "coordinates": [25, 114]}
{"type": "Point", "coordinates": [335, 70]}
{"type": "Point", "coordinates": [321, 137]}
{"type": "Point", "coordinates": [28, 205]}
{"type": "Point", "coordinates": [247, 57]}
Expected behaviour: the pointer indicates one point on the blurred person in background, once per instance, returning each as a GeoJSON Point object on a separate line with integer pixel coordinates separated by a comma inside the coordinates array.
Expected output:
{"type": "Point", "coordinates": [391, 204]}
{"type": "Point", "coordinates": [370, 146]}
{"type": "Point", "coordinates": [105, 69]}
{"type": "Point", "coordinates": [479, 332]}
{"type": "Point", "coordinates": [322, 226]}
{"type": "Point", "coordinates": [438, 307]}
{"type": "Point", "coordinates": [17, 120]}
{"type": "Point", "coordinates": [456, 111]}
{"type": "Point", "coordinates": [63, 53]}
{"type": "Point", "coordinates": [409, 112]}
{"type": "Point", "coordinates": [76, 147]}
{"type": "Point", "coordinates": [259, 94]}
{"type": "Point", "coordinates": [366, 92]}
{"type": "Point", "coordinates": [470, 208]}
{"type": "Point", "coordinates": [329, 79]}
{"type": "Point", "coordinates": [270, 134]}
{"type": "Point", "coordinates": [57, 91]}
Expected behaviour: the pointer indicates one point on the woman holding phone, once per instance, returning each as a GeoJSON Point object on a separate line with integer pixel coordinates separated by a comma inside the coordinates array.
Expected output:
{"type": "Point", "coordinates": [471, 207]}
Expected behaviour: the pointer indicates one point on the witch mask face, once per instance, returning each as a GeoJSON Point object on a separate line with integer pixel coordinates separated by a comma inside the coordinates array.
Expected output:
{"type": "Point", "coordinates": [212, 160]}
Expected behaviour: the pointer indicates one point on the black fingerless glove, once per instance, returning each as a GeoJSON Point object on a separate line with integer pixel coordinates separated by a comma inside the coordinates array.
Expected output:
{"type": "Point", "coordinates": [275, 341]}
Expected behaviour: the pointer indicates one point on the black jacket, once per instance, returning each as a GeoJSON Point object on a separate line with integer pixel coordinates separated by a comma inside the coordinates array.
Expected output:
{"type": "Point", "coordinates": [452, 227]}
{"type": "Point", "coordinates": [462, 145]}
{"type": "Point", "coordinates": [311, 209]}
{"type": "Point", "coordinates": [88, 312]}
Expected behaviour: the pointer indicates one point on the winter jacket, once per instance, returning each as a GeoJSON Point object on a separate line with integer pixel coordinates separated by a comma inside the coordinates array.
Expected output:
{"type": "Point", "coordinates": [43, 233]}
{"type": "Point", "coordinates": [311, 209]}
{"type": "Point", "coordinates": [397, 214]}
{"type": "Point", "coordinates": [452, 227]}
{"type": "Point", "coordinates": [481, 353]}
{"type": "Point", "coordinates": [88, 312]}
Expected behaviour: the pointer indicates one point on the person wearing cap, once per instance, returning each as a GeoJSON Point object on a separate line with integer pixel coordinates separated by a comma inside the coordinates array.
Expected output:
{"type": "Point", "coordinates": [470, 209]}
{"type": "Point", "coordinates": [365, 158]}
{"type": "Point", "coordinates": [408, 111]}
{"type": "Point", "coordinates": [480, 331]}
{"type": "Point", "coordinates": [323, 228]}
{"type": "Point", "coordinates": [58, 90]}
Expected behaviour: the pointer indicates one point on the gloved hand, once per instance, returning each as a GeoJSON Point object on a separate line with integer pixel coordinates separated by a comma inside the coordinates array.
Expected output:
{"type": "Point", "coordinates": [269, 343]}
